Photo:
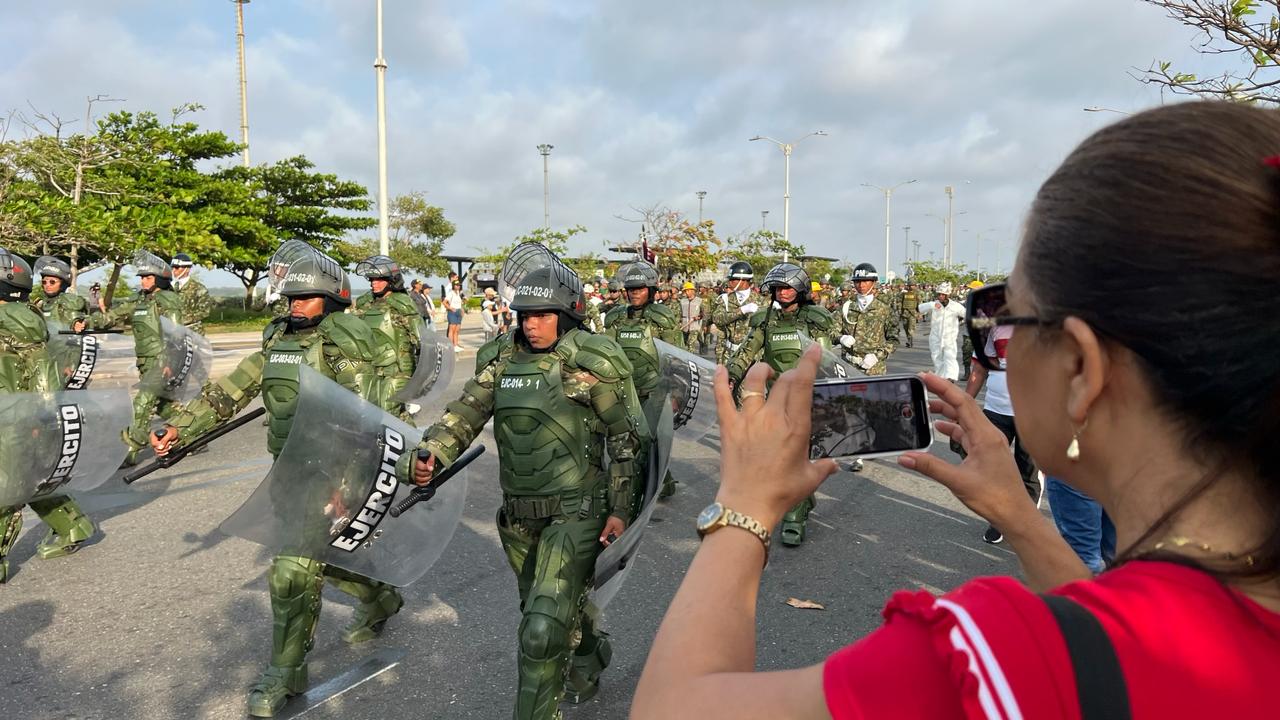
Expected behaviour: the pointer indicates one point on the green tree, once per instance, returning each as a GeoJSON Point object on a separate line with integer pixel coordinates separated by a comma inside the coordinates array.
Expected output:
{"type": "Point", "coordinates": [557, 241]}
{"type": "Point", "coordinates": [763, 249]}
{"type": "Point", "coordinates": [930, 272]}
{"type": "Point", "coordinates": [1227, 27]}
{"type": "Point", "coordinates": [416, 234]}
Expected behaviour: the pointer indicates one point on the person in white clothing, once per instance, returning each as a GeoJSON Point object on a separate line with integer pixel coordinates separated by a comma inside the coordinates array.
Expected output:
{"type": "Point", "coordinates": [944, 330]}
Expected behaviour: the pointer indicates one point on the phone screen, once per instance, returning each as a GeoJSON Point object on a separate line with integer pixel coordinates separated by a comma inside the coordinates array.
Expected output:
{"type": "Point", "coordinates": [869, 417]}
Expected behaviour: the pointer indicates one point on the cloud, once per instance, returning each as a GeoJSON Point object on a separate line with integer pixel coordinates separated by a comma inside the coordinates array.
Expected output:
{"type": "Point", "coordinates": [644, 102]}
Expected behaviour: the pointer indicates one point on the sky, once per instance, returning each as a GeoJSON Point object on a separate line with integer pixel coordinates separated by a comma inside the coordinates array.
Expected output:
{"type": "Point", "coordinates": [645, 103]}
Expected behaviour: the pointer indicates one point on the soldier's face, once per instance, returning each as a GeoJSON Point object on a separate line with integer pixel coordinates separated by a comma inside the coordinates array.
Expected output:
{"type": "Point", "coordinates": [786, 294]}
{"type": "Point", "coordinates": [540, 328]}
{"type": "Point", "coordinates": [378, 285]}
{"type": "Point", "coordinates": [148, 282]}
{"type": "Point", "coordinates": [638, 296]}
{"type": "Point", "coordinates": [181, 272]}
{"type": "Point", "coordinates": [51, 285]}
{"type": "Point", "coordinates": [306, 308]}
{"type": "Point", "coordinates": [864, 287]}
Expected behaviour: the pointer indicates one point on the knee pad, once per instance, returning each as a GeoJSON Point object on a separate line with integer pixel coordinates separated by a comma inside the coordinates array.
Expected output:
{"type": "Point", "coordinates": [542, 637]}
{"type": "Point", "coordinates": [10, 528]}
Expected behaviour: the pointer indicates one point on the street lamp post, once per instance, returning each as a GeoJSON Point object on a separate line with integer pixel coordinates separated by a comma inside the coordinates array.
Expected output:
{"type": "Point", "coordinates": [764, 219]}
{"type": "Point", "coordinates": [244, 84]}
{"type": "Point", "coordinates": [786, 179]}
{"type": "Point", "coordinates": [545, 149]}
{"type": "Point", "coordinates": [946, 248]}
{"type": "Point", "coordinates": [380, 67]}
{"type": "Point", "coordinates": [888, 230]}
{"type": "Point", "coordinates": [702, 194]}
{"type": "Point", "coordinates": [906, 247]}
{"type": "Point", "coordinates": [915, 245]}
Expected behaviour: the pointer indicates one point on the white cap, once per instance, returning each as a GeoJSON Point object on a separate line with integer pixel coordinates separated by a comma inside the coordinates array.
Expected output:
{"type": "Point", "coordinates": [944, 288]}
{"type": "Point", "coordinates": [588, 287]}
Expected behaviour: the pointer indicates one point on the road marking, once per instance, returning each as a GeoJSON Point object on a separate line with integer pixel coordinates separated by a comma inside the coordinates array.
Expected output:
{"type": "Point", "coordinates": [370, 668]}
{"type": "Point", "coordinates": [829, 527]}
{"type": "Point", "coordinates": [976, 551]}
{"type": "Point", "coordinates": [929, 564]}
{"type": "Point", "coordinates": [921, 507]}
{"type": "Point", "coordinates": [870, 538]}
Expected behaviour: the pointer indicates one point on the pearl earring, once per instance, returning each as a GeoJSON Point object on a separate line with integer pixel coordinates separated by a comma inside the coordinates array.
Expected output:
{"type": "Point", "coordinates": [1073, 450]}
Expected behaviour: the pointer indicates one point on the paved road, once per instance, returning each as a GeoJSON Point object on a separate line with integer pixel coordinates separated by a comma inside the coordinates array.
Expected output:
{"type": "Point", "coordinates": [164, 617]}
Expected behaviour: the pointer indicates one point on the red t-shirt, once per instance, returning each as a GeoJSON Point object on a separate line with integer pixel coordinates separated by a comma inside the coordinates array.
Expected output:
{"type": "Point", "coordinates": [1188, 647]}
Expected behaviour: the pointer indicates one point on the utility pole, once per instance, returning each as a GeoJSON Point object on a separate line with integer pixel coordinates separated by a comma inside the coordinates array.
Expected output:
{"type": "Point", "coordinates": [906, 247]}
{"type": "Point", "coordinates": [950, 229]}
{"type": "Point", "coordinates": [546, 149]}
{"type": "Point", "coordinates": [764, 219]}
{"type": "Point", "coordinates": [915, 245]}
{"type": "Point", "coordinates": [786, 182]}
{"type": "Point", "coordinates": [380, 67]}
{"type": "Point", "coordinates": [888, 230]}
{"type": "Point", "coordinates": [244, 84]}
{"type": "Point", "coordinates": [701, 195]}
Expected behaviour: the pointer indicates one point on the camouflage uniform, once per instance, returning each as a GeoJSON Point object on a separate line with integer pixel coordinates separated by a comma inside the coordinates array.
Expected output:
{"type": "Point", "coordinates": [64, 308]}
{"type": "Point", "coordinates": [395, 316]}
{"type": "Point", "coordinates": [196, 303]}
{"type": "Point", "coordinates": [25, 366]}
{"type": "Point", "coordinates": [910, 300]}
{"type": "Point", "coordinates": [733, 323]}
{"type": "Point", "coordinates": [554, 411]}
{"type": "Point", "coordinates": [873, 331]}
{"type": "Point", "coordinates": [346, 350]}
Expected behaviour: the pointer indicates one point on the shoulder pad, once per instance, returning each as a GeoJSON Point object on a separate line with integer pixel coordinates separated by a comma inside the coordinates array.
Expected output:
{"type": "Point", "coordinates": [402, 304]}
{"type": "Point", "coordinates": [351, 335]}
{"type": "Point", "coordinates": [489, 352]}
{"type": "Point", "coordinates": [661, 315]}
{"type": "Point", "coordinates": [362, 301]}
{"type": "Point", "coordinates": [273, 328]}
{"type": "Point", "coordinates": [616, 312]}
{"type": "Point", "coordinates": [758, 317]}
{"type": "Point", "coordinates": [169, 300]}
{"type": "Point", "coordinates": [22, 323]}
{"type": "Point", "coordinates": [598, 355]}
{"type": "Point", "coordinates": [817, 315]}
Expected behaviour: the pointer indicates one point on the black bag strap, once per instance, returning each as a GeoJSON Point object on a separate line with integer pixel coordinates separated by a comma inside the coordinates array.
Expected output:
{"type": "Point", "coordinates": [1100, 686]}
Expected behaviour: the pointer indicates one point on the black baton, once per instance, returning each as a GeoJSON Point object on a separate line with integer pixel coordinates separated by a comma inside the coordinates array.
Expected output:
{"type": "Point", "coordinates": [426, 493]}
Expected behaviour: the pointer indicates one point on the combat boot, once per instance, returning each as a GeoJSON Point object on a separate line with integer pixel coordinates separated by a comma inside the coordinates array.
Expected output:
{"type": "Point", "coordinates": [668, 487]}
{"type": "Point", "coordinates": [10, 527]}
{"type": "Point", "coordinates": [585, 666]}
{"type": "Point", "coordinates": [68, 526]}
{"type": "Point", "coordinates": [294, 583]}
{"type": "Point", "coordinates": [273, 690]}
{"type": "Point", "coordinates": [794, 522]}
{"type": "Point", "coordinates": [378, 602]}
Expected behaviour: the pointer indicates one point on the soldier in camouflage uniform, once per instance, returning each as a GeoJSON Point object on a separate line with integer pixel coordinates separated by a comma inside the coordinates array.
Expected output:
{"type": "Point", "coordinates": [388, 309]}
{"type": "Point", "coordinates": [731, 312]}
{"type": "Point", "coordinates": [867, 324]}
{"type": "Point", "coordinates": [25, 366]}
{"type": "Point", "coordinates": [196, 302]}
{"type": "Point", "coordinates": [143, 311]}
{"type": "Point", "coordinates": [910, 299]}
{"type": "Point", "coordinates": [343, 348]}
{"type": "Point", "coordinates": [558, 396]}
{"type": "Point", "coordinates": [595, 318]}
{"type": "Point", "coordinates": [635, 326]}
{"type": "Point", "coordinates": [774, 337]}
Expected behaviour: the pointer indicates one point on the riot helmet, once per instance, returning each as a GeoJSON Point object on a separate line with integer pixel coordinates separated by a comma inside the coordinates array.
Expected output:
{"type": "Point", "coordinates": [865, 271]}
{"type": "Point", "coordinates": [145, 263]}
{"type": "Point", "coordinates": [15, 277]}
{"type": "Point", "coordinates": [381, 267]}
{"type": "Point", "coordinates": [298, 270]}
{"type": "Point", "coordinates": [615, 285]}
{"type": "Point", "coordinates": [741, 270]}
{"type": "Point", "coordinates": [48, 266]}
{"type": "Point", "coordinates": [552, 288]}
{"type": "Point", "coordinates": [788, 275]}
{"type": "Point", "coordinates": [638, 274]}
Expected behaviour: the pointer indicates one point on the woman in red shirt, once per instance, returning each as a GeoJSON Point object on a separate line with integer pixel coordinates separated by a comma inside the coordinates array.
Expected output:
{"type": "Point", "coordinates": [1142, 371]}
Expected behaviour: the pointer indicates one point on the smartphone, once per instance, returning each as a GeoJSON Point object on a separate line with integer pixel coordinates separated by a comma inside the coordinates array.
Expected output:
{"type": "Point", "coordinates": [869, 417]}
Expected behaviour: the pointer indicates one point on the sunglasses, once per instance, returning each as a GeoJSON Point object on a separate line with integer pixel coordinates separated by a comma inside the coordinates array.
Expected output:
{"type": "Point", "coordinates": [985, 310]}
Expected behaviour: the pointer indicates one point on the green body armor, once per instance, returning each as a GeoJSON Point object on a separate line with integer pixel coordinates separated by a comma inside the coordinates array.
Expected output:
{"type": "Point", "coordinates": [782, 344]}
{"type": "Point", "coordinates": [148, 340]}
{"type": "Point", "coordinates": [25, 364]}
{"type": "Point", "coordinates": [280, 381]}
{"type": "Point", "coordinates": [64, 309]}
{"type": "Point", "coordinates": [547, 443]}
{"type": "Point", "coordinates": [635, 335]}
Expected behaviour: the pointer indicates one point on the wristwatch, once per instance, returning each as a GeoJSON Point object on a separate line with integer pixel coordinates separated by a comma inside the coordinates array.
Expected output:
{"type": "Point", "coordinates": [716, 516]}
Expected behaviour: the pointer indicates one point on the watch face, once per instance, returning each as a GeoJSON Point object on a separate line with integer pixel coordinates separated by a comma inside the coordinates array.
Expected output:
{"type": "Point", "coordinates": [709, 515]}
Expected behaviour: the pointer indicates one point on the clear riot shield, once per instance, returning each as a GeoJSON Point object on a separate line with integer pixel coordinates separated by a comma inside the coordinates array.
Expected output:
{"type": "Point", "coordinates": [525, 258]}
{"type": "Point", "coordinates": [831, 366]}
{"type": "Point", "coordinates": [614, 563]}
{"type": "Point", "coordinates": [100, 360]}
{"type": "Point", "coordinates": [183, 365]}
{"type": "Point", "coordinates": [689, 383]}
{"type": "Point", "coordinates": [56, 443]}
{"type": "Point", "coordinates": [328, 494]}
{"type": "Point", "coordinates": [433, 373]}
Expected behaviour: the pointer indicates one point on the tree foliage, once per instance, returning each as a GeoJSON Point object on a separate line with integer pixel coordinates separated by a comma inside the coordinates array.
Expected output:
{"type": "Point", "coordinates": [416, 234]}
{"type": "Point", "coordinates": [763, 249]}
{"type": "Point", "coordinates": [931, 272]}
{"type": "Point", "coordinates": [1247, 29]}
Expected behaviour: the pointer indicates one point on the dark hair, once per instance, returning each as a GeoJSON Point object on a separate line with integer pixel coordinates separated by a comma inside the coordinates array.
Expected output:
{"type": "Point", "coordinates": [1171, 195]}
